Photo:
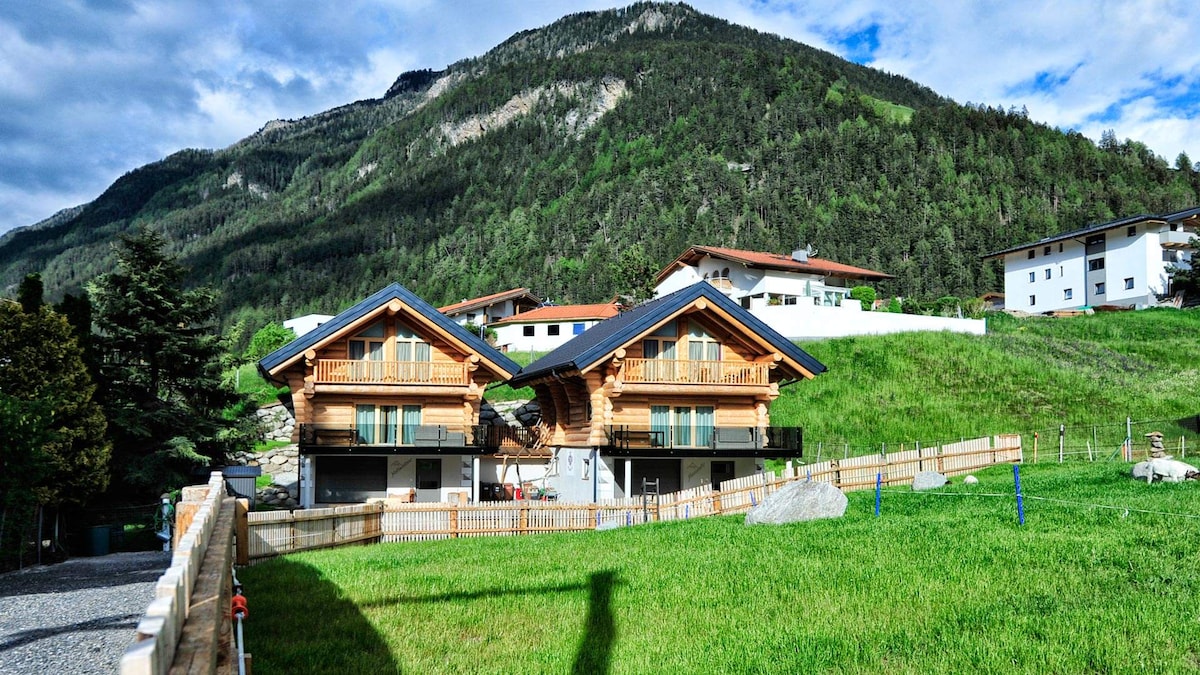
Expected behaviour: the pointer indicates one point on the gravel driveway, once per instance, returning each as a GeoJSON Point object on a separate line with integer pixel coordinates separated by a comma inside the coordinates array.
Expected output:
{"type": "Point", "coordinates": [77, 616]}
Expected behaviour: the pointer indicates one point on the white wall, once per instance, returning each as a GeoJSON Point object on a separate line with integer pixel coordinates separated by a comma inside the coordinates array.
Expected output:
{"type": "Point", "coordinates": [307, 323]}
{"type": "Point", "coordinates": [511, 336]}
{"type": "Point", "coordinates": [801, 322]}
{"type": "Point", "coordinates": [1067, 270]}
{"type": "Point", "coordinates": [456, 476]}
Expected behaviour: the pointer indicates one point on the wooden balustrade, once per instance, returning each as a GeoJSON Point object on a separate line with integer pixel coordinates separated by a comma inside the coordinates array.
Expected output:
{"type": "Point", "coordinates": [679, 371]}
{"type": "Point", "coordinates": [352, 371]}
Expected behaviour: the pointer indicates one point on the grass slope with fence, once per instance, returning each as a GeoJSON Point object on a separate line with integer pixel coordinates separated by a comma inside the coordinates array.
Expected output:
{"type": "Point", "coordinates": [1026, 376]}
{"type": "Point", "coordinates": [1101, 578]}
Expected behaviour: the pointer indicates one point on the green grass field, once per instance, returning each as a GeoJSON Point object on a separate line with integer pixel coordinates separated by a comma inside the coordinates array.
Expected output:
{"type": "Point", "coordinates": [941, 583]}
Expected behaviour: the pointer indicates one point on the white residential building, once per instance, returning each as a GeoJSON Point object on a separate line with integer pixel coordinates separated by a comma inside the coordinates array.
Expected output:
{"type": "Point", "coordinates": [1125, 262]}
{"type": "Point", "coordinates": [548, 327]}
{"type": "Point", "coordinates": [491, 308]}
{"type": "Point", "coordinates": [800, 296]}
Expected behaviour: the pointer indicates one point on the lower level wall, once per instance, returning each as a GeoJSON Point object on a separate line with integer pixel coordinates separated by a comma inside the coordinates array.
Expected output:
{"type": "Point", "coordinates": [803, 322]}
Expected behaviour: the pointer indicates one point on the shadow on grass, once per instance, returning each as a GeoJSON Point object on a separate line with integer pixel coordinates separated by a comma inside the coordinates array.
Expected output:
{"type": "Point", "coordinates": [594, 654]}
{"type": "Point", "coordinates": [300, 622]}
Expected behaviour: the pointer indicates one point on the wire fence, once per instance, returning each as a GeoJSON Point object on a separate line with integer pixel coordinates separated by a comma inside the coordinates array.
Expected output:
{"type": "Point", "coordinates": [1101, 441]}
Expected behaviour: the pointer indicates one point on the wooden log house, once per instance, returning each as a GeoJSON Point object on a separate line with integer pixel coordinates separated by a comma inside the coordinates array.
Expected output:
{"type": "Point", "coordinates": [677, 390]}
{"type": "Point", "coordinates": [386, 397]}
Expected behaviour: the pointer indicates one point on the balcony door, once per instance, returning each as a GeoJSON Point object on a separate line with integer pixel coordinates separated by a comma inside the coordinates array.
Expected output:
{"type": "Point", "coordinates": [704, 355]}
{"type": "Point", "coordinates": [371, 353]}
{"type": "Point", "coordinates": [414, 356]}
{"type": "Point", "coordinates": [682, 426]}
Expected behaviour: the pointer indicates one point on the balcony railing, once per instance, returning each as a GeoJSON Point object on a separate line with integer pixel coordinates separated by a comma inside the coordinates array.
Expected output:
{"type": "Point", "coordinates": [384, 436]}
{"type": "Point", "coordinates": [351, 371]}
{"type": "Point", "coordinates": [787, 441]}
{"type": "Point", "coordinates": [668, 371]}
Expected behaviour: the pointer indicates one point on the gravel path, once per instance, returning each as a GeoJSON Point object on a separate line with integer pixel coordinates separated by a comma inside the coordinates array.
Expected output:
{"type": "Point", "coordinates": [77, 616]}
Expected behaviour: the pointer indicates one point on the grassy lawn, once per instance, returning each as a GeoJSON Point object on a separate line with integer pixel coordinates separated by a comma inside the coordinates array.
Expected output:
{"type": "Point", "coordinates": [940, 583]}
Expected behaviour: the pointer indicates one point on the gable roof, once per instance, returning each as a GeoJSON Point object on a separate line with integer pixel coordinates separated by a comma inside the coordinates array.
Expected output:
{"type": "Point", "coordinates": [600, 340]}
{"type": "Point", "coordinates": [772, 261]}
{"type": "Point", "coordinates": [497, 362]}
{"type": "Point", "coordinates": [476, 303]}
{"type": "Point", "coordinates": [562, 313]}
{"type": "Point", "coordinates": [1175, 217]}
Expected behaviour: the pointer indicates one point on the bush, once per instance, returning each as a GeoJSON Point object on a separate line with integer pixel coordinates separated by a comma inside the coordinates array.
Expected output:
{"type": "Point", "coordinates": [894, 306]}
{"type": "Point", "coordinates": [865, 295]}
{"type": "Point", "coordinates": [268, 338]}
{"type": "Point", "coordinates": [489, 334]}
{"type": "Point", "coordinates": [948, 305]}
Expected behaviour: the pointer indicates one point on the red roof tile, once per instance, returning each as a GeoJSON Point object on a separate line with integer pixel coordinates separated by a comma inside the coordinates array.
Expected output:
{"type": "Point", "coordinates": [562, 313]}
{"type": "Point", "coordinates": [774, 261]}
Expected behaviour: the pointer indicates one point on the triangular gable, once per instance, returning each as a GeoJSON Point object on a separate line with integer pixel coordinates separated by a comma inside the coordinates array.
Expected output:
{"type": "Point", "coordinates": [376, 305]}
{"type": "Point", "coordinates": [598, 343]}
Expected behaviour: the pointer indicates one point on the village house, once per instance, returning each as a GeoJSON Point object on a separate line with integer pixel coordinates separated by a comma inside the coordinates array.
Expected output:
{"type": "Point", "coordinates": [799, 295]}
{"type": "Point", "coordinates": [489, 309]}
{"type": "Point", "coordinates": [1126, 262]}
{"type": "Point", "coordinates": [549, 326]}
{"type": "Point", "coordinates": [675, 390]}
{"type": "Point", "coordinates": [386, 397]}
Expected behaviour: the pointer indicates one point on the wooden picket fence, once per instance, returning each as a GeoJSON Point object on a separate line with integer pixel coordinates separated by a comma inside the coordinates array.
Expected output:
{"type": "Point", "coordinates": [277, 532]}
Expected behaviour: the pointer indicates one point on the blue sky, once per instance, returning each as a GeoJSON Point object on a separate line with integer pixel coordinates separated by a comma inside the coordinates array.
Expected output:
{"type": "Point", "coordinates": [90, 89]}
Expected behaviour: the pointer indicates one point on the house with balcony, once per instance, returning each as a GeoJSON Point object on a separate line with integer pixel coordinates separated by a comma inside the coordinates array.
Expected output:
{"type": "Point", "coordinates": [491, 308]}
{"type": "Point", "coordinates": [386, 397]}
{"type": "Point", "coordinates": [1126, 262]}
{"type": "Point", "coordinates": [676, 390]}
{"type": "Point", "coordinates": [549, 326]}
{"type": "Point", "coordinates": [799, 295]}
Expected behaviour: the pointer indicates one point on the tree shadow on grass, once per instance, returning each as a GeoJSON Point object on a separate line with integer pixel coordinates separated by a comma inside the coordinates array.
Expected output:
{"type": "Point", "coordinates": [300, 622]}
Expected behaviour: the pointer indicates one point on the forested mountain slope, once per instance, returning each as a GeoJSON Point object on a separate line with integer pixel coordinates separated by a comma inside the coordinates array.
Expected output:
{"type": "Point", "coordinates": [608, 141]}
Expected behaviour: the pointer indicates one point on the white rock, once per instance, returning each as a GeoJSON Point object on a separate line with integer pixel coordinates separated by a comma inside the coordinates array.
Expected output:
{"type": "Point", "coordinates": [798, 502]}
{"type": "Point", "coordinates": [970, 480]}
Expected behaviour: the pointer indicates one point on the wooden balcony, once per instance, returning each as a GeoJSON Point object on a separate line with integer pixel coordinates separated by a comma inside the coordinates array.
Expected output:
{"type": "Point", "coordinates": [390, 439]}
{"type": "Point", "coordinates": [718, 441]}
{"type": "Point", "coordinates": [349, 371]}
{"type": "Point", "coordinates": [664, 371]}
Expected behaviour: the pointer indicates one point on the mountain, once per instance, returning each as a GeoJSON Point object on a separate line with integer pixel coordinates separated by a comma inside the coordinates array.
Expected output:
{"type": "Point", "coordinates": [603, 142]}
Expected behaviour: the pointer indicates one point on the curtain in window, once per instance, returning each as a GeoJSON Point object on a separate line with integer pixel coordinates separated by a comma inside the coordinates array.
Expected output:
{"type": "Point", "coordinates": [704, 426]}
{"type": "Point", "coordinates": [388, 418]}
{"type": "Point", "coordinates": [683, 426]}
{"type": "Point", "coordinates": [660, 424]}
{"type": "Point", "coordinates": [423, 357]}
{"type": "Point", "coordinates": [364, 422]}
{"type": "Point", "coordinates": [410, 421]}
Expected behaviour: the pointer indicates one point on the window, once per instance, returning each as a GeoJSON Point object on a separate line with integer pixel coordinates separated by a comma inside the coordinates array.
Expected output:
{"type": "Point", "coordinates": [1032, 253]}
{"type": "Point", "coordinates": [367, 346]}
{"type": "Point", "coordinates": [385, 424]}
{"type": "Point", "coordinates": [1032, 300]}
{"type": "Point", "coordinates": [1100, 288]}
{"type": "Point", "coordinates": [1046, 251]}
{"type": "Point", "coordinates": [577, 329]}
{"type": "Point", "coordinates": [1067, 294]}
{"type": "Point", "coordinates": [471, 318]}
{"type": "Point", "coordinates": [1132, 231]}
{"type": "Point", "coordinates": [553, 329]}
{"type": "Point", "coordinates": [1060, 247]}
{"type": "Point", "coordinates": [429, 474]}
{"type": "Point", "coordinates": [527, 331]}
{"type": "Point", "coordinates": [413, 355]}
{"type": "Point", "coordinates": [682, 426]}
{"type": "Point", "coordinates": [1060, 270]}
{"type": "Point", "coordinates": [1047, 272]}
{"type": "Point", "coordinates": [1169, 256]}
{"type": "Point", "coordinates": [1032, 277]}
{"type": "Point", "coordinates": [704, 354]}
{"type": "Point", "coordinates": [1129, 283]}
{"type": "Point", "coordinates": [1095, 264]}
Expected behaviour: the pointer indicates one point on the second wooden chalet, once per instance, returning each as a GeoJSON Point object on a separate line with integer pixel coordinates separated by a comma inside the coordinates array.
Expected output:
{"type": "Point", "coordinates": [386, 397]}
{"type": "Point", "coordinates": [677, 390]}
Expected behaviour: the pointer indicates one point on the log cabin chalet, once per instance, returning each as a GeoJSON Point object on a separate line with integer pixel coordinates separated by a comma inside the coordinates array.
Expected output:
{"type": "Point", "coordinates": [386, 397]}
{"type": "Point", "coordinates": [676, 390]}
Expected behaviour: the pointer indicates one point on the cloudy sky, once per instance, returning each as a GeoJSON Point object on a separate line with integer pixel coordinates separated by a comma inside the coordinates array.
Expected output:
{"type": "Point", "coordinates": [90, 89]}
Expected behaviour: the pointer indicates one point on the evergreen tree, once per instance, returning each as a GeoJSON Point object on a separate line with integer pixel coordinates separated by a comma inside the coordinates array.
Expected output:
{"type": "Point", "coordinates": [160, 371]}
{"type": "Point", "coordinates": [30, 292]}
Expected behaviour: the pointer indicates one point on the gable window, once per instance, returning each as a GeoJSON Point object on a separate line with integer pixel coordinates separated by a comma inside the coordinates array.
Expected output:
{"type": "Point", "coordinates": [1100, 288]}
{"type": "Point", "coordinates": [577, 328]}
{"type": "Point", "coordinates": [659, 352]}
{"type": "Point", "coordinates": [413, 354]}
{"type": "Point", "coordinates": [1047, 272]}
{"type": "Point", "coordinates": [367, 346]}
{"type": "Point", "coordinates": [553, 329]}
{"type": "Point", "coordinates": [704, 354]}
{"type": "Point", "coordinates": [1067, 294]}
{"type": "Point", "coordinates": [1129, 283]}
{"type": "Point", "coordinates": [1095, 264]}
{"type": "Point", "coordinates": [1032, 253]}
{"type": "Point", "coordinates": [1046, 251]}
{"type": "Point", "coordinates": [1032, 277]}
{"type": "Point", "coordinates": [527, 331]}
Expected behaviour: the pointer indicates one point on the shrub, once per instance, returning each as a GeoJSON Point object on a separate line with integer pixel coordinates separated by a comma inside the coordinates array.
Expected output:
{"type": "Point", "coordinates": [865, 295]}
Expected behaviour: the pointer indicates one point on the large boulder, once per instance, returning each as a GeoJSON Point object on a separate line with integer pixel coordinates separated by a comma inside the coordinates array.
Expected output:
{"type": "Point", "coordinates": [798, 502]}
{"type": "Point", "coordinates": [928, 480]}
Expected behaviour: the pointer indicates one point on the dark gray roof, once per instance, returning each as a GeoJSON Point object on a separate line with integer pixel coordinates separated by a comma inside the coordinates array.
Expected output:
{"type": "Point", "coordinates": [608, 335]}
{"type": "Point", "coordinates": [1099, 227]}
{"type": "Point", "coordinates": [377, 299]}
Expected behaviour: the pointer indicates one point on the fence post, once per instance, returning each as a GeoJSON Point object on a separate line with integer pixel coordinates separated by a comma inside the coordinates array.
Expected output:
{"type": "Point", "coordinates": [1020, 500]}
{"type": "Point", "coordinates": [454, 522]}
{"type": "Point", "coordinates": [1062, 435]}
{"type": "Point", "coordinates": [1128, 440]}
{"type": "Point", "coordinates": [1035, 446]}
{"type": "Point", "coordinates": [878, 491]}
{"type": "Point", "coordinates": [242, 530]}
{"type": "Point", "coordinates": [523, 520]}
{"type": "Point", "coordinates": [594, 515]}
{"type": "Point", "coordinates": [716, 497]}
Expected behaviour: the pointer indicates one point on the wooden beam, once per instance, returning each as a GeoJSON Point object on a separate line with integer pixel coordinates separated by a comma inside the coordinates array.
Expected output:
{"type": "Point", "coordinates": [204, 645]}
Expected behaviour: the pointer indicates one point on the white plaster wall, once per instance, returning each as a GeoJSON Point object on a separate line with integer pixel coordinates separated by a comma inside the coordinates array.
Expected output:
{"type": "Point", "coordinates": [1066, 271]}
{"type": "Point", "coordinates": [682, 277]}
{"type": "Point", "coordinates": [801, 322]}
{"type": "Point", "coordinates": [1130, 257]}
{"type": "Point", "coordinates": [307, 323]}
{"type": "Point", "coordinates": [511, 337]}
{"type": "Point", "coordinates": [456, 476]}
{"type": "Point", "coordinates": [575, 475]}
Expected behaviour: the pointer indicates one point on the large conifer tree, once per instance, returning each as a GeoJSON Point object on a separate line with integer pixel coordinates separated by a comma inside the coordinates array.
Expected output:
{"type": "Point", "coordinates": [159, 363]}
